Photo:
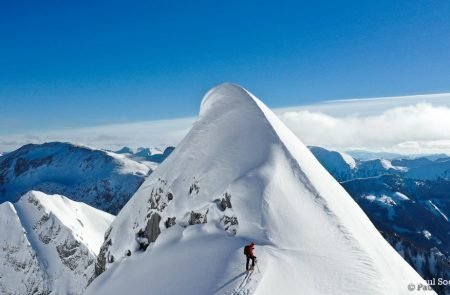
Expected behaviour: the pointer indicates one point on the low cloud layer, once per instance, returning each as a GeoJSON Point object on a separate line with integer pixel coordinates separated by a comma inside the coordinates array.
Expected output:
{"type": "Point", "coordinates": [420, 128]}
{"type": "Point", "coordinates": [414, 124]}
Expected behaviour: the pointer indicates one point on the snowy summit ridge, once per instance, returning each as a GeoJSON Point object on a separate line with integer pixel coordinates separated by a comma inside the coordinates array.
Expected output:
{"type": "Point", "coordinates": [241, 175]}
{"type": "Point", "coordinates": [49, 244]}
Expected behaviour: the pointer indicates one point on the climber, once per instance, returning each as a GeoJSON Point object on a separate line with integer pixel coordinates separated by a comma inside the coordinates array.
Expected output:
{"type": "Point", "coordinates": [248, 252]}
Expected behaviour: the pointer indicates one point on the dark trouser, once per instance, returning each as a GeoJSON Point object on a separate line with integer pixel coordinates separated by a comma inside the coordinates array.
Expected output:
{"type": "Point", "coordinates": [253, 258]}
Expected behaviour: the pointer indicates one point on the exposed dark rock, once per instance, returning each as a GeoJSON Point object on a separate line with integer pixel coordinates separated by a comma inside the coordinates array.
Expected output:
{"type": "Point", "coordinates": [194, 188]}
{"type": "Point", "coordinates": [151, 231]}
{"type": "Point", "coordinates": [100, 264]}
{"type": "Point", "coordinates": [71, 253]}
{"type": "Point", "coordinates": [158, 199]}
{"type": "Point", "coordinates": [22, 165]}
{"type": "Point", "coordinates": [47, 228]}
{"type": "Point", "coordinates": [107, 233]}
{"type": "Point", "coordinates": [35, 163]}
{"type": "Point", "coordinates": [198, 218]}
{"type": "Point", "coordinates": [230, 224]}
{"type": "Point", "coordinates": [225, 202]}
{"type": "Point", "coordinates": [170, 222]}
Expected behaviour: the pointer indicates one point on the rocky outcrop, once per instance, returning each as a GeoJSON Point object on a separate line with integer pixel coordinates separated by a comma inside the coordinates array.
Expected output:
{"type": "Point", "coordinates": [47, 240]}
{"type": "Point", "coordinates": [151, 231]}
{"type": "Point", "coordinates": [21, 271]}
{"type": "Point", "coordinates": [157, 220]}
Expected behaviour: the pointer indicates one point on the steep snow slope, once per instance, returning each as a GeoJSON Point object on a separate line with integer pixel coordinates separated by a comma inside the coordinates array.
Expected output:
{"type": "Point", "coordinates": [240, 175]}
{"type": "Point", "coordinates": [20, 271]}
{"type": "Point", "coordinates": [101, 179]}
{"type": "Point", "coordinates": [49, 244]}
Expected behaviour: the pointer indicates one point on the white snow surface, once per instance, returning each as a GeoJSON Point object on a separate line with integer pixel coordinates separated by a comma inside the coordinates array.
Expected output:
{"type": "Point", "coordinates": [401, 197]}
{"type": "Point", "coordinates": [436, 210]}
{"type": "Point", "coordinates": [349, 160]}
{"type": "Point", "coordinates": [86, 223]}
{"type": "Point", "coordinates": [387, 164]}
{"type": "Point", "coordinates": [311, 237]}
{"type": "Point", "coordinates": [49, 244]}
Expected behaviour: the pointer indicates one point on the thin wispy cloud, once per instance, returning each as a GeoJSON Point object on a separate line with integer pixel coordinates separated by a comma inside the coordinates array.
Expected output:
{"type": "Point", "coordinates": [139, 134]}
{"type": "Point", "coordinates": [412, 124]}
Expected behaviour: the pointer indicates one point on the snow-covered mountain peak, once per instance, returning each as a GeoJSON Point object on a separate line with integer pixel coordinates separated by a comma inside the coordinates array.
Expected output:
{"type": "Point", "coordinates": [99, 178]}
{"type": "Point", "coordinates": [225, 96]}
{"type": "Point", "coordinates": [239, 175]}
{"type": "Point", "coordinates": [85, 223]}
{"type": "Point", "coordinates": [49, 244]}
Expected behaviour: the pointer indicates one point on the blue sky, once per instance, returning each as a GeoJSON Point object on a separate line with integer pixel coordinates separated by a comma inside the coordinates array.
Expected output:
{"type": "Point", "coordinates": [71, 64]}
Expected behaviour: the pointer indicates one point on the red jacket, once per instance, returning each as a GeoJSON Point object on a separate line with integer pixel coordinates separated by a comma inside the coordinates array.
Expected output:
{"type": "Point", "coordinates": [250, 250]}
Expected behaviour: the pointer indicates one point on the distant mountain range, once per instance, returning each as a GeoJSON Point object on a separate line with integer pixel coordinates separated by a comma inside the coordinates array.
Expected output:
{"type": "Point", "coordinates": [371, 155]}
{"type": "Point", "coordinates": [408, 200]}
{"type": "Point", "coordinates": [155, 155]}
{"type": "Point", "coordinates": [99, 178]}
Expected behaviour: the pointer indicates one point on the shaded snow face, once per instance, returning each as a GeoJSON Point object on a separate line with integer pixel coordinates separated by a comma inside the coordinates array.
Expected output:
{"type": "Point", "coordinates": [49, 244]}
{"type": "Point", "coordinates": [101, 179]}
{"type": "Point", "coordinates": [241, 175]}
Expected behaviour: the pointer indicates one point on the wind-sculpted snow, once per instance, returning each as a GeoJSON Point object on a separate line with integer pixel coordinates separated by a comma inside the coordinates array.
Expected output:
{"type": "Point", "coordinates": [101, 179]}
{"type": "Point", "coordinates": [49, 244]}
{"type": "Point", "coordinates": [241, 175]}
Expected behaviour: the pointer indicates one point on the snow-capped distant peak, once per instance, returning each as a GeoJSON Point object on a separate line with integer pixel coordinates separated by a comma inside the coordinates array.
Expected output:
{"type": "Point", "coordinates": [387, 164]}
{"type": "Point", "coordinates": [125, 150]}
{"type": "Point", "coordinates": [241, 175]}
{"type": "Point", "coordinates": [102, 179]}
